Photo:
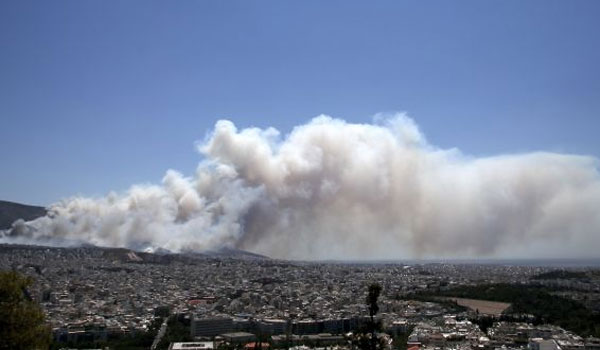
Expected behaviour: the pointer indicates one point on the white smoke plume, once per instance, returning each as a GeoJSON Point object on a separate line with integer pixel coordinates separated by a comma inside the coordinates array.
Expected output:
{"type": "Point", "coordinates": [336, 190]}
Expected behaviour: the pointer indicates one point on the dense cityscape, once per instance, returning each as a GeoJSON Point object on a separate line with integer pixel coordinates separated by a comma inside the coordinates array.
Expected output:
{"type": "Point", "coordinates": [92, 295]}
{"type": "Point", "coordinates": [300, 175]}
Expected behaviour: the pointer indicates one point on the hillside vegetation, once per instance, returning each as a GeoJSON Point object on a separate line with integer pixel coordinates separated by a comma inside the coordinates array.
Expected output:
{"type": "Point", "coordinates": [11, 212]}
{"type": "Point", "coordinates": [536, 301]}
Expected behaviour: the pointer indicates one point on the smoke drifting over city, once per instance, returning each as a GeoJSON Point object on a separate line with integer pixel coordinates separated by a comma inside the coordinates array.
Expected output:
{"type": "Point", "coordinates": [335, 190]}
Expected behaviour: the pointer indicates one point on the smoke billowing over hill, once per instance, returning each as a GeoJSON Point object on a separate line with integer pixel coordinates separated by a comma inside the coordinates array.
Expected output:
{"type": "Point", "coordinates": [9, 212]}
{"type": "Point", "coordinates": [332, 189]}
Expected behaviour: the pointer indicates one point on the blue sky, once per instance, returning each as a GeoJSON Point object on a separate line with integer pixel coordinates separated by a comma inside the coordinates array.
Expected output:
{"type": "Point", "coordinates": [97, 95]}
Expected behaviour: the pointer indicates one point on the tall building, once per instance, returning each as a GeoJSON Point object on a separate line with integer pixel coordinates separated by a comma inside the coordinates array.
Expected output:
{"type": "Point", "coordinates": [273, 326]}
{"type": "Point", "coordinates": [211, 326]}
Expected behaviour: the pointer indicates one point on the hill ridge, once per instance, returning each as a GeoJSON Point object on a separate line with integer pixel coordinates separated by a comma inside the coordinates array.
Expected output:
{"type": "Point", "coordinates": [13, 211]}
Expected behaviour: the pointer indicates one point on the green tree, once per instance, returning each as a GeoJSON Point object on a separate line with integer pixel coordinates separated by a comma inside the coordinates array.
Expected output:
{"type": "Point", "coordinates": [22, 324]}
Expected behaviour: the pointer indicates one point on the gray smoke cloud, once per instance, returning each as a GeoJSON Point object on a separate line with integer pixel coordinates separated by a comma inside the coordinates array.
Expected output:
{"type": "Point", "coordinates": [336, 190]}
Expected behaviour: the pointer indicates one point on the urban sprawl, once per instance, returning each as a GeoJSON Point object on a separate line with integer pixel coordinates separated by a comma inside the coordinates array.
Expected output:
{"type": "Point", "coordinates": [94, 293]}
